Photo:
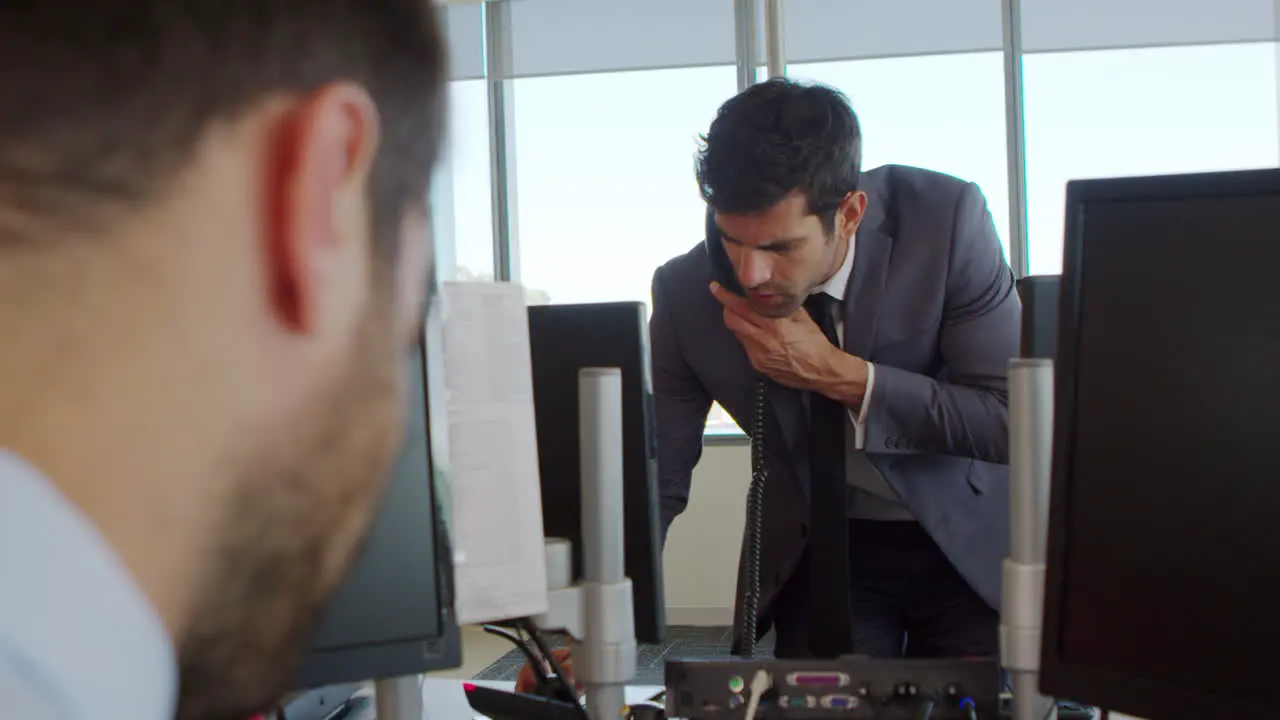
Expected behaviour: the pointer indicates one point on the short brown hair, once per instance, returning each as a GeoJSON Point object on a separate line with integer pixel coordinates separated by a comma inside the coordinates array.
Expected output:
{"type": "Point", "coordinates": [105, 100]}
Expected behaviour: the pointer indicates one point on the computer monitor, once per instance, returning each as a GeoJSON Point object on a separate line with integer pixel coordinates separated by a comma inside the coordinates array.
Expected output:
{"type": "Point", "coordinates": [393, 614]}
{"type": "Point", "coordinates": [1039, 295]}
{"type": "Point", "coordinates": [563, 339]}
{"type": "Point", "coordinates": [1163, 530]}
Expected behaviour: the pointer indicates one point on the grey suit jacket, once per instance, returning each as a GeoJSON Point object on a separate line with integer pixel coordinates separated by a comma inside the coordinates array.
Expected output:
{"type": "Point", "coordinates": [930, 301]}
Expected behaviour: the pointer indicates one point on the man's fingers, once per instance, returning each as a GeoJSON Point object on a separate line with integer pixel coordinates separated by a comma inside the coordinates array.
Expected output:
{"type": "Point", "coordinates": [740, 326]}
{"type": "Point", "coordinates": [802, 316]}
{"type": "Point", "coordinates": [737, 305]}
{"type": "Point", "coordinates": [724, 296]}
{"type": "Point", "coordinates": [730, 300]}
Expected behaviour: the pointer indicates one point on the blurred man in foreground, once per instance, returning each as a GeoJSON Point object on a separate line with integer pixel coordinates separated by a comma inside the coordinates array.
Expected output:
{"type": "Point", "coordinates": [213, 261]}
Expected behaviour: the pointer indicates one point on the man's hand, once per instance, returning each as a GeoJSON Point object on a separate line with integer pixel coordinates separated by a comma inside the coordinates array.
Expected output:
{"type": "Point", "coordinates": [793, 351]}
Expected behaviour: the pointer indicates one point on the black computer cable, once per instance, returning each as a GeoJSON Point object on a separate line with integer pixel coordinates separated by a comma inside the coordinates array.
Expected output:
{"type": "Point", "coordinates": [566, 685]}
{"type": "Point", "coordinates": [518, 640]}
{"type": "Point", "coordinates": [754, 526]}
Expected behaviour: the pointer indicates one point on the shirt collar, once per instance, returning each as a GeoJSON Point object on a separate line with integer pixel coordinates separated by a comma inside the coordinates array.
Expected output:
{"type": "Point", "coordinates": [71, 612]}
{"type": "Point", "coordinates": [836, 284]}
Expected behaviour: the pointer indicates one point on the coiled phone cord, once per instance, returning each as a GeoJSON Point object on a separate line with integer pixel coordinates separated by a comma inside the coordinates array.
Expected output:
{"type": "Point", "coordinates": [754, 524]}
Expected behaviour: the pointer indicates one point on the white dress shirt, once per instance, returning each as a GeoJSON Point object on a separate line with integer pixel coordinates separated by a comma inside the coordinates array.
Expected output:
{"type": "Point", "coordinates": [835, 287]}
{"type": "Point", "coordinates": [78, 638]}
{"type": "Point", "coordinates": [871, 497]}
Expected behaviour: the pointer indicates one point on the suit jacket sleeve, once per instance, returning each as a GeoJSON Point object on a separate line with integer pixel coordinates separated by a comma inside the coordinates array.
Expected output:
{"type": "Point", "coordinates": [964, 411]}
{"type": "Point", "coordinates": [681, 404]}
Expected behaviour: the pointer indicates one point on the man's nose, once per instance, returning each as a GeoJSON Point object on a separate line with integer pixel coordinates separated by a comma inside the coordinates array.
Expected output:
{"type": "Point", "coordinates": [755, 269]}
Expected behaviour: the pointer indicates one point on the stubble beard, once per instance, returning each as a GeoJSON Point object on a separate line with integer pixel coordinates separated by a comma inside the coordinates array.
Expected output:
{"type": "Point", "coordinates": [306, 500]}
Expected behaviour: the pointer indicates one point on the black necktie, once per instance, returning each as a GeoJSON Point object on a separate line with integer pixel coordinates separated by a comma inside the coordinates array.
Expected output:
{"type": "Point", "coordinates": [829, 606]}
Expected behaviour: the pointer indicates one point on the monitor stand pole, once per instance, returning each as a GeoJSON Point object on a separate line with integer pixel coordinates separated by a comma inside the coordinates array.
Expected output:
{"type": "Point", "coordinates": [1030, 456]}
{"type": "Point", "coordinates": [598, 612]}
{"type": "Point", "coordinates": [399, 698]}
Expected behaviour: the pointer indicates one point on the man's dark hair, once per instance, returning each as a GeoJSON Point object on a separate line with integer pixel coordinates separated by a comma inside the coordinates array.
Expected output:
{"type": "Point", "coordinates": [105, 100]}
{"type": "Point", "coordinates": [777, 137]}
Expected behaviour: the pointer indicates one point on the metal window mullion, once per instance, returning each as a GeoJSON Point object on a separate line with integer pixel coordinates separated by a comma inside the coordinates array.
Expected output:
{"type": "Point", "coordinates": [744, 42]}
{"type": "Point", "coordinates": [499, 75]}
{"type": "Point", "coordinates": [1015, 136]}
{"type": "Point", "coordinates": [775, 42]}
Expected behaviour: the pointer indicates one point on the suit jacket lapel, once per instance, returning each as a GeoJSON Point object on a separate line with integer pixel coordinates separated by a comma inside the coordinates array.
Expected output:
{"type": "Point", "coordinates": [866, 287]}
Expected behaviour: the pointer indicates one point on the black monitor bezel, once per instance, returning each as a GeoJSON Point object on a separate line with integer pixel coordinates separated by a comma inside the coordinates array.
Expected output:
{"type": "Point", "coordinates": [1144, 697]}
{"type": "Point", "coordinates": [561, 500]}
{"type": "Point", "coordinates": [410, 656]}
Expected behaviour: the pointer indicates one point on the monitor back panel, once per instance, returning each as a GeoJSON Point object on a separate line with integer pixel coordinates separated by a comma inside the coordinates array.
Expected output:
{"type": "Point", "coordinates": [1039, 295]}
{"type": "Point", "coordinates": [1163, 532]}
{"type": "Point", "coordinates": [563, 339]}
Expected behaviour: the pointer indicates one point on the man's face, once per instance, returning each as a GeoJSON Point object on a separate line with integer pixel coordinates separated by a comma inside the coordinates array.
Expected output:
{"type": "Point", "coordinates": [781, 254]}
{"type": "Point", "coordinates": [306, 501]}
{"type": "Point", "coordinates": [304, 494]}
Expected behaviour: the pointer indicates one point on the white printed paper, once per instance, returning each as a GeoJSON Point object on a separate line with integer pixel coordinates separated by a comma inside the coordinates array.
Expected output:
{"type": "Point", "coordinates": [500, 567]}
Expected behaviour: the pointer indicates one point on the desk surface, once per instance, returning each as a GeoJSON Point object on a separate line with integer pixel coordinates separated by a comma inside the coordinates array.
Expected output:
{"type": "Point", "coordinates": [444, 699]}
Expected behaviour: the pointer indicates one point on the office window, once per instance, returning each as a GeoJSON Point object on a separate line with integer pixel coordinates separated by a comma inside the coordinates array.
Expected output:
{"type": "Point", "coordinates": [941, 112]}
{"type": "Point", "coordinates": [1150, 111]}
{"type": "Point", "coordinates": [462, 217]}
{"type": "Point", "coordinates": [606, 193]}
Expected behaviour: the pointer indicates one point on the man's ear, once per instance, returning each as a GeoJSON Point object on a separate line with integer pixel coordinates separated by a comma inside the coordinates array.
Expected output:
{"type": "Point", "coordinates": [318, 240]}
{"type": "Point", "coordinates": [850, 213]}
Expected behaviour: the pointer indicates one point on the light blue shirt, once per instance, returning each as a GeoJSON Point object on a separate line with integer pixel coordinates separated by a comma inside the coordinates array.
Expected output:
{"type": "Point", "coordinates": [78, 638]}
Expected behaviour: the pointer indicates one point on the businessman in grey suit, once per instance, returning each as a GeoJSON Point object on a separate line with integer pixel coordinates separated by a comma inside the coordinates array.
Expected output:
{"type": "Point", "coordinates": [910, 271]}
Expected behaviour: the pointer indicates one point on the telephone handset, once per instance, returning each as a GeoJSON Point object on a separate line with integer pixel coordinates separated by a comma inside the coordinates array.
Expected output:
{"type": "Point", "coordinates": [722, 271]}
